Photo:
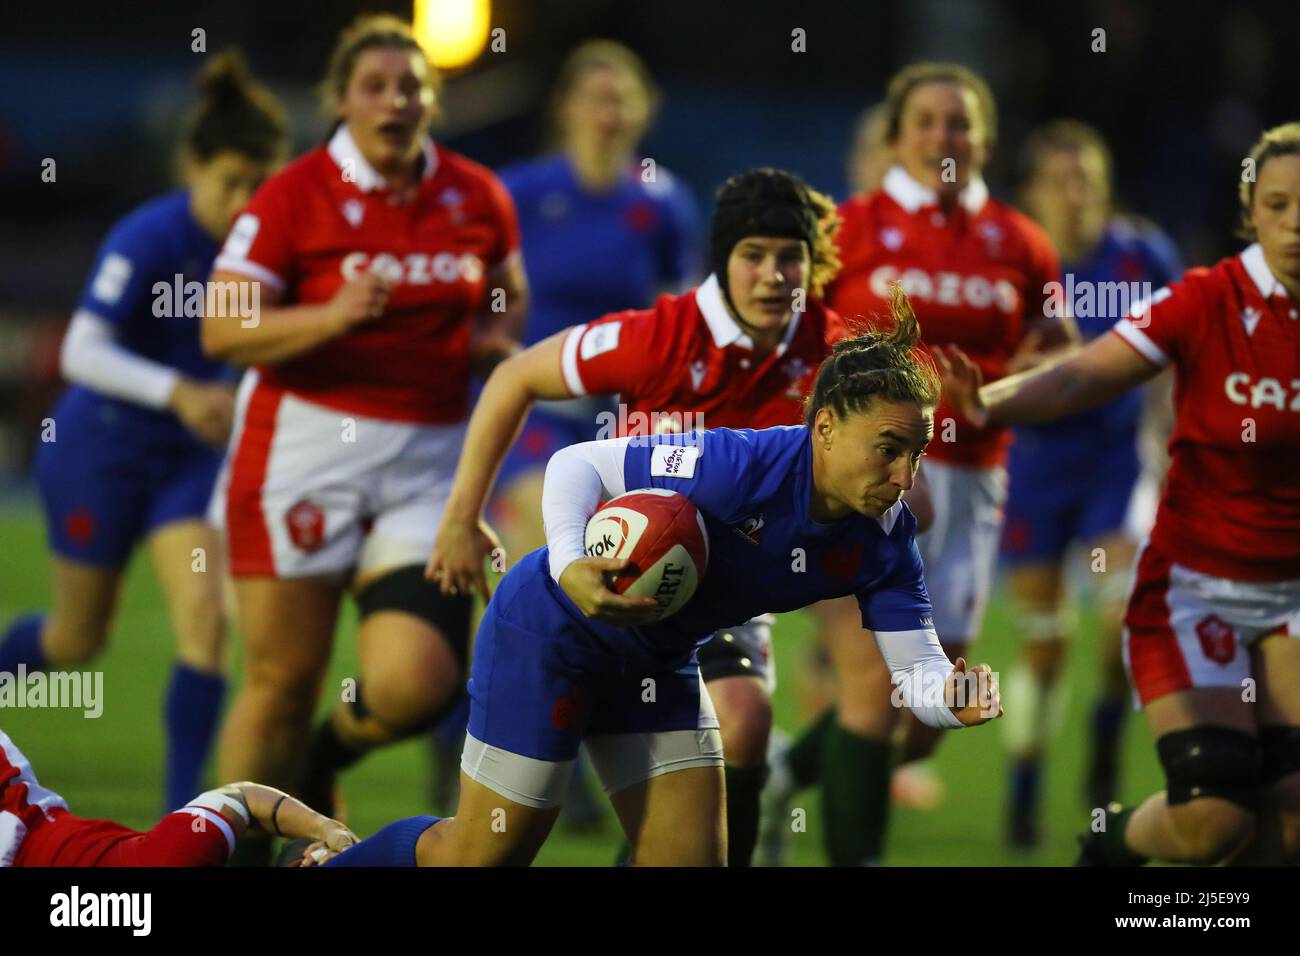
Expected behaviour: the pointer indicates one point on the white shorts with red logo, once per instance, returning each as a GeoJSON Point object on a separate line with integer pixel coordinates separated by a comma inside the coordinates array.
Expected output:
{"type": "Point", "coordinates": [960, 550]}
{"type": "Point", "coordinates": [1186, 629]}
{"type": "Point", "coordinates": [308, 490]}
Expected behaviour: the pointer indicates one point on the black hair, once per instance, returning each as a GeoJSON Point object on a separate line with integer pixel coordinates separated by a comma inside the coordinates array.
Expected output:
{"type": "Point", "coordinates": [234, 113]}
{"type": "Point", "coordinates": [876, 364]}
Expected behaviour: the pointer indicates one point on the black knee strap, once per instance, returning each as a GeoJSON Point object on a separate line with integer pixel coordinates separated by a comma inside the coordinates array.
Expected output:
{"type": "Point", "coordinates": [1210, 762]}
{"type": "Point", "coordinates": [407, 590]}
{"type": "Point", "coordinates": [1279, 753]}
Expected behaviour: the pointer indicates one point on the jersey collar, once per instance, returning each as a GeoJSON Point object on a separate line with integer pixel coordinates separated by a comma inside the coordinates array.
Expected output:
{"type": "Point", "coordinates": [911, 195]}
{"type": "Point", "coordinates": [346, 155]}
{"type": "Point", "coordinates": [1252, 260]}
{"type": "Point", "coordinates": [724, 329]}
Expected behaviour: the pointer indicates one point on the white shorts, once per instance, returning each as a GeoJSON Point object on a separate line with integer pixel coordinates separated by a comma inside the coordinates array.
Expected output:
{"type": "Point", "coordinates": [1186, 629]}
{"type": "Point", "coordinates": [960, 550]}
{"type": "Point", "coordinates": [308, 490]}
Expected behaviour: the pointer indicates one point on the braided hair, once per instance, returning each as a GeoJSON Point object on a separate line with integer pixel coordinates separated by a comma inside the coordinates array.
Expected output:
{"type": "Point", "coordinates": [876, 364]}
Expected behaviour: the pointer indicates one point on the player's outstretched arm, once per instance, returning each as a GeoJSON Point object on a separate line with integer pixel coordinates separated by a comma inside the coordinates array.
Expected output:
{"type": "Point", "coordinates": [1100, 371]}
{"type": "Point", "coordinates": [274, 811]}
{"type": "Point", "coordinates": [937, 692]}
{"type": "Point", "coordinates": [464, 540]}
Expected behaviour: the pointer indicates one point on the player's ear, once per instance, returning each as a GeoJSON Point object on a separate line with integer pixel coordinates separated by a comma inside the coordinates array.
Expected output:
{"type": "Point", "coordinates": [824, 426]}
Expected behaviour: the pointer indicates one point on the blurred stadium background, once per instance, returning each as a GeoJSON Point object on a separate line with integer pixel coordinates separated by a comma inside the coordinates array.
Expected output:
{"type": "Point", "coordinates": [1180, 92]}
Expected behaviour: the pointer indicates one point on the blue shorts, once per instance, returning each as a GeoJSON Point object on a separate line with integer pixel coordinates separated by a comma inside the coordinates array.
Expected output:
{"type": "Point", "coordinates": [105, 485]}
{"type": "Point", "coordinates": [543, 682]}
{"type": "Point", "coordinates": [1063, 493]}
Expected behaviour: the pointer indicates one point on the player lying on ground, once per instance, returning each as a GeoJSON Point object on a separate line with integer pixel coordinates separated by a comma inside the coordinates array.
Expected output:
{"type": "Point", "coordinates": [142, 426]}
{"type": "Point", "coordinates": [36, 828]}
{"type": "Point", "coordinates": [1212, 621]}
{"type": "Point", "coordinates": [795, 515]}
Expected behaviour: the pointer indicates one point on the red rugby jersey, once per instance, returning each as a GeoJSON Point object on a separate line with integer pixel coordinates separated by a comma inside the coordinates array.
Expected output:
{"type": "Point", "coordinates": [686, 364]}
{"type": "Point", "coordinates": [976, 278]}
{"type": "Point", "coordinates": [329, 217]}
{"type": "Point", "coordinates": [1231, 503]}
{"type": "Point", "coordinates": [180, 839]}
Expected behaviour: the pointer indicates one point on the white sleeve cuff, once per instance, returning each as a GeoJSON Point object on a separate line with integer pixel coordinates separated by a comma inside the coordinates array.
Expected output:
{"type": "Point", "coordinates": [91, 356]}
{"type": "Point", "coordinates": [578, 478]}
{"type": "Point", "coordinates": [569, 361]}
{"type": "Point", "coordinates": [920, 670]}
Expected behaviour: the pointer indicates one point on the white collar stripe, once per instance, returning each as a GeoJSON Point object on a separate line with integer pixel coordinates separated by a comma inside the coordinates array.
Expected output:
{"type": "Point", "coordinates": [347, 156]}
{"type": "Point", "coordinates": [1252, 260]}
{"type": "Point", "coordinates": [714, 309]}
{"type": "Point", "coordinates": [911, 195]}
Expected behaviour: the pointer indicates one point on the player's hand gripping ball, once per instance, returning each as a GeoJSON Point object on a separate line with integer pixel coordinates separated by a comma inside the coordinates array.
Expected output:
{"type": "Point", "coordinates": [661, 536]}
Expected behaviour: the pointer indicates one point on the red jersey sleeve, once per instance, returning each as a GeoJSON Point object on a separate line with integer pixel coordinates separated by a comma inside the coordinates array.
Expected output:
{"type": "Point", "coordinates": [614, 354]}
{"type": "Point", "coordinates": [260, 243]}
{"type": "Point", "coordinates": [1164, 329]}
{"type": "Point", "coordinates": [180, 839]}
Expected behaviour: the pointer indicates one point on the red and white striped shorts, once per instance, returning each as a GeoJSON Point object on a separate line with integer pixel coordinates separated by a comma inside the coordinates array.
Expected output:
{"type": "Point", "coordinates": [1186, 629]}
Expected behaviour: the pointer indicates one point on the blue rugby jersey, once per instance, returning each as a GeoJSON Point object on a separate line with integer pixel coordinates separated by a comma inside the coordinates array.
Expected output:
{"type": "Point", "coordinates": [590, 254]}
{"type": "Point", "coordinates": [766, 554]}
{"type": "Point", "coordinates": [145, 251]}
{"type": "Point", "coordinates": [1129, 252]}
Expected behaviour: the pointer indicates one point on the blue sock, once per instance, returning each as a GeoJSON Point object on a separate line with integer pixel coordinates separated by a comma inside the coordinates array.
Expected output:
{"type": "Point", "coordinates": [1107, 718]}
{"type": "Point", "coordinates": [21, 644]}
{"type": "Point", "coordinates": [1024, 786]}
{"type": "Point", "coordinates": [191, 710]}
{"type": "Point", "coordinates": [394, 845]}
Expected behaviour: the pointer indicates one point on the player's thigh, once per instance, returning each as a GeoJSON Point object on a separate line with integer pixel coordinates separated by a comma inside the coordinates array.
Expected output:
{"type": "Point", "coordinates": [1035, 586]}
{"type": "Point", "coordinates": [488, 830]}
{"type": "Point", "coordinates": [864, 685]}
{"type": "Point", "coordinates": [744, 711]}
{"type": "Point", "coordinates": [85, 600]}
{"type": "Point", "coordinates": [187, 558]}
{"type": "Point", "coordinates": [676, 819]}
{"type": "Point", "coordinates": [408, 667]}
{"type": "Point", "coordinates": [287, 627]}
{"type": "Point", "coordinates": [1111, 557]}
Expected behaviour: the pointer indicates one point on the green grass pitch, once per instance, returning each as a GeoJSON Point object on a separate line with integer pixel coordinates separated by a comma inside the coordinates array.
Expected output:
{"type": "Point", "coordinates": [112, 766]}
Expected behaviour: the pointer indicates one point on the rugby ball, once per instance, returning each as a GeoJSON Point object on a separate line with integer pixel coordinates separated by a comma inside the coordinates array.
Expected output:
{"type": "Point", "coordinates": [662, 535]}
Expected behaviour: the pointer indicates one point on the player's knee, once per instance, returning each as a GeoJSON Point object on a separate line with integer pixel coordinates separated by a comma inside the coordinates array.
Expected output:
{"type": "Point", "coordinates": [411, 697]}
{"type": "Point", "coordinates": [745, 721]}
{"type": "Point", "coordinates": [281, 689]}
{"type": "Point", "coordinates": [71, 639]}
{"type": "Point", "coordinates": [201, 635]}
{"type": "Point", "coordinates": [1212, 831]}
{"type": "Point", "coordinates": [1212, 786]}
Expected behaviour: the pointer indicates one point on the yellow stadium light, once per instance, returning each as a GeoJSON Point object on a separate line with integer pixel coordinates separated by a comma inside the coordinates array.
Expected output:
{"type": "Point", "coordinates": [452, 32]}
